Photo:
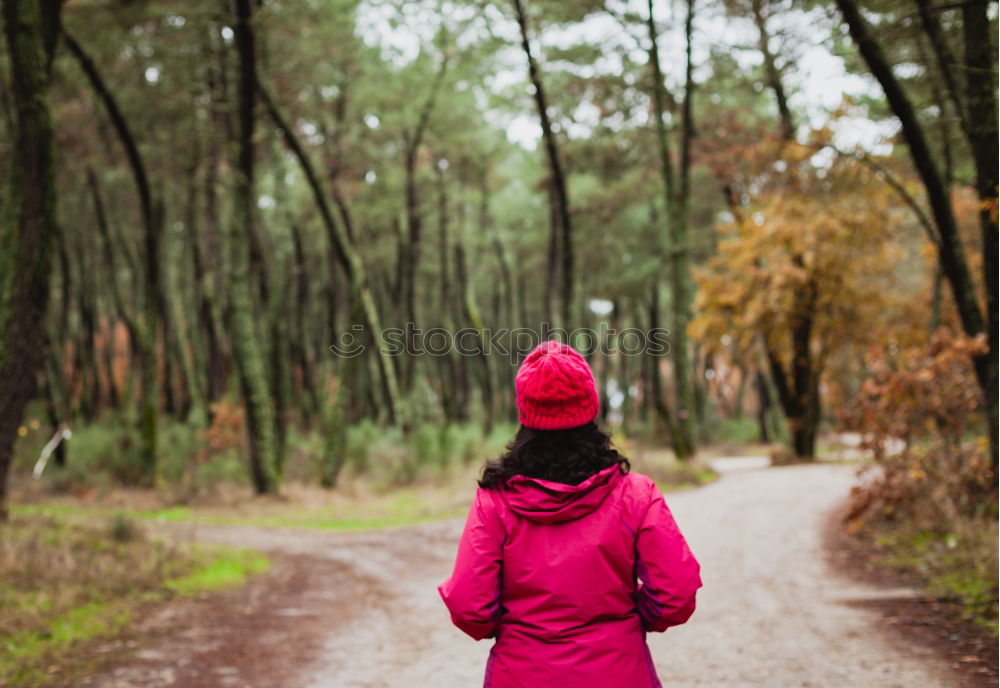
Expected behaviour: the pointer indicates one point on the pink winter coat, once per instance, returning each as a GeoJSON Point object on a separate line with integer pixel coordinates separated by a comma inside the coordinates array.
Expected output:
{"type": "Point", "coordinates": [550, 571]}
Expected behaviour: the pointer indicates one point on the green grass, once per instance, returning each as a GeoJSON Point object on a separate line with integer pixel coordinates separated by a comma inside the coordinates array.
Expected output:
{"type": "Point", "coordinates": [292, 519]}
{"type": "Point", "coordinates": [391, 511]}
{"type": "Point", "coordinates": [340, 524]}
{"type": "Point", "coordinates": [960, 569]}
{"type": "Point", "coordinates": [170, 514]}
{"type": "Point", "coordinates": [21, 662]}
{"type": "Point", "coordinates": [669, 474]}
{"type": "Point", "coordinates": [228, 568]}
{"type": "Point", "coordinates": [735, 431]}
{"type": "Point", "coordinates": [319, 520]}
{"type": "Point", "coordinates": [25, 654]}
{"type": "Point", "coordinates": [403, 507]}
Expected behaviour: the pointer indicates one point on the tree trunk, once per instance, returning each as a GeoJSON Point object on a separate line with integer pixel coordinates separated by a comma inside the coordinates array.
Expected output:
{"type": "Point", "coordinates": [659, 403]}
{"type": "Point", "coordinates": [63, 336]}
{"type": "Point", "coordinates": [472, 313]}
{"type": "Point", "coordinates": [763, 407]}
{"type": "Point", "coordinates": [29, 222]}
{"type": "Point", "coordinates": [798, 391]}
{"type": "Point", "coordinates": [257, 401]}
{"type": "Point", "coordinates": [980, 83]}
{"type": "Point", "coordinates": [152, 299]}
{"type": "Point", "coordinates": [336, 422]}
{"type": "Point", "coordinates": [511, 313]}
{"type": "Point", "coordinates": [675, 199]}
{"type": "Point", "coordinates": [561, 241]}
{"type": "Point", "coordinates": [410, 256]}
{"type": "Point", "coordinates": [192, 357]}
{"type": "Point", "coordinates": [349, 260]}
{"type": "Point", "coordinates": [177, 395]}
{"type": "Point", "coordinates": [624, 375]}
{"type": "Point", "coordinates": [211, 289]}
{"type": "Point", "coordinates": [804, 388]}
{"type": "Point", "coordinates": [448, 365]}
{"type": "Point", "coordinates": [279, 372]}
{"type": "Point", "coordinates": [773, 73]}
{"type": "Point", "coordinates": [945, 60]}
{"type": "Point", "coordinates": [111, 270]}
{"type": "Point", "coordinates": [55, 402]}
{"type": "Point", "coordinates": [309, 399]}
{"type": "Point", "coordinates": [951, 254]}
{"type": "Point", "coordinates": [90, 367]}
{"type": "Point", "coordinates": [741, 389]}
{"type": "Point", "coordinates": [339, 412]}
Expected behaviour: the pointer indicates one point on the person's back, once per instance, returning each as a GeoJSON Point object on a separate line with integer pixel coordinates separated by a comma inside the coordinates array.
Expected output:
{"type": "Point", "coordinates": [558, 533]}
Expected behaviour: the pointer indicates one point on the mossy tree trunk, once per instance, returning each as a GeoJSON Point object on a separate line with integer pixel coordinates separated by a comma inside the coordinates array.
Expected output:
{"type": "Point", "coordinates": [350, 261]}
{"type": "Point", "coordinates": [474, 319]}
{"type": "Point", "coordinates": [191, 356]}
{"type": "Point", "coordinates": [798, 386]}
{"type": "Point", "coordinates": [980, 123]}
{"type": "Point", "coordinates": [984, 141]}
{"type": "Point", "coordinates": [675, 199]}
{"type": "Point", "coordinates": [249, 358]}
{"type": "Point", "coordinates": [409, 264]}
{"type": "Point", "coordinates": [28, 229]}
{"type": "Point", "coordinates": [771, 71]}
{"type": "Point", "coordinates": [561, 240]}
{"type": "Point", "coordinates": [659, 404]}
{"type": "Point", "coordinates": [152, 297]}
{"type": "Point", "coordinates": [308, 398]}
{"type": "Point", "coordinates": [120, 311]}
{"type": "Point", "coordinates": [341, 393]}
{"type": "Point", "coordinates": [448, 364]}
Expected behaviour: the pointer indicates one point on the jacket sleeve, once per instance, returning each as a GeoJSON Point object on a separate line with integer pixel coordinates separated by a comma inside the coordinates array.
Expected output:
{"type": "Point", "coordinates": [472, 594]}
{"type": "Point", "coordinates": [669, 573]}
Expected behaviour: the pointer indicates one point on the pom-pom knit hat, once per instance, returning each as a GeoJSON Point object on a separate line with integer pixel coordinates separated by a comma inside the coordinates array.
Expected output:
{"type": "Point", "coordinates": [555, 389]}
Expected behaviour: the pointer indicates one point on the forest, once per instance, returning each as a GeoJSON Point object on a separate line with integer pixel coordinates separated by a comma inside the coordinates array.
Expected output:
{"type": "Point", "coordinates": [268, 253]}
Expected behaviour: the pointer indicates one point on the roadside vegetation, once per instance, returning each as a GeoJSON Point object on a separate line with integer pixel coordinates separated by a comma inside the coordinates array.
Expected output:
{"type": "Point", "coordinates": [64, 582]}
{"type": "Point", "coordinates": [387, 479]}
{"type": "Point", "coordinates": [928, 504]}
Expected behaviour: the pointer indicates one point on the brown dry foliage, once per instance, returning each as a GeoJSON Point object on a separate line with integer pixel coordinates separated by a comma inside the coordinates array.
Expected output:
{"type": "Point", "coordinates": [49, 566]}
{"type": "Point", "coordinates": [917, 412]}
{"type": "Point", "coordinates": [227, 431]}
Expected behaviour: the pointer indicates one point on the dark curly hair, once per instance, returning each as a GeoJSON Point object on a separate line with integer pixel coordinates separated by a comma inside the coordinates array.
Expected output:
{"type": "Point", "coordinates": [563, 456]}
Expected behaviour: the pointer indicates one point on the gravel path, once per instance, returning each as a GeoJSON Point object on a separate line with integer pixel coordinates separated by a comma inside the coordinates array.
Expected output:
{"type": "Point", "coordinates": [772, 614]}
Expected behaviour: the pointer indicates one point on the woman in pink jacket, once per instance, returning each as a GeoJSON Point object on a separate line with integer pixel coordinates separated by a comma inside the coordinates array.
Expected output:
{"type": "Point", "coordinates": [567, 558]}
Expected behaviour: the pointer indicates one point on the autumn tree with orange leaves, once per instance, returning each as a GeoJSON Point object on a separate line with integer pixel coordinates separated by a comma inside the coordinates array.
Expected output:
{"type": "Point", "coordinates": [801, 272]}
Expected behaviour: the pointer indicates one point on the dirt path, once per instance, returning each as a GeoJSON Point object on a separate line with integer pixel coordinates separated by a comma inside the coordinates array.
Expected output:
{"type": "Point", "coordinates": [361, 610]}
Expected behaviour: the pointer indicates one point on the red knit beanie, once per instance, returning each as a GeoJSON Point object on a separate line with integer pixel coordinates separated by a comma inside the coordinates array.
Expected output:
{"type": "Point", "coordinates": [555, 389]}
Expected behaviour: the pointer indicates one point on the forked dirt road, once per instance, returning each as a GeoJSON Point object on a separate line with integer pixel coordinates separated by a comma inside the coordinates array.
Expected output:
{"type": "Point", "coordinates": [361, 610]}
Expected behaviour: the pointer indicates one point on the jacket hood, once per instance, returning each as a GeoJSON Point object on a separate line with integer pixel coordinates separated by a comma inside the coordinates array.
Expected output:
{"type": "Point", "coordinates": [545, 501]}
